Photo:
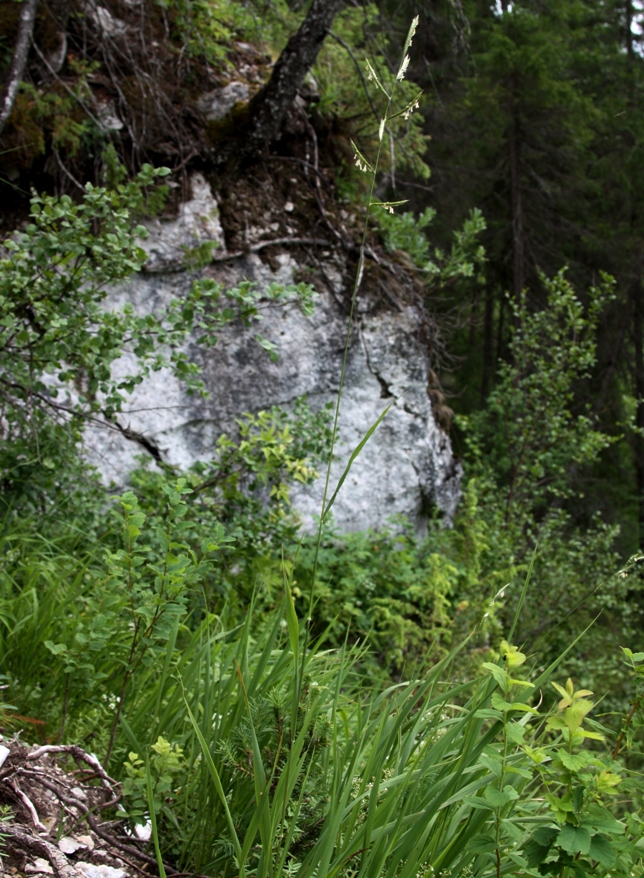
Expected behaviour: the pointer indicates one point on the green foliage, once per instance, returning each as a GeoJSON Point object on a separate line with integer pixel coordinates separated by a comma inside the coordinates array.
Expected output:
{"type": "Point", "coordinates": [60, 111]}
{"type": "Point", "coordinates": [135, 608]}
{"type": "Point", "coordinates": [165, 765]}
{"type": "Point", "coordinates": [355, 82]}
{"type": "Point", "coordinates": [546, 775]}
{"type": "Point", "coordinates": [632, 721]}
{"type": "Point", "coordinates": [168, 634]}
{"type": "Point", "coordinates": [205, 32]}
{"type": "Point", "coordinates": [56, 331]}
{"type": "Point", "coordinates": [385, 587]}
{"type": "Point", "coordinates": [466, 788]}
{"type": "Point", "coordinates": [525, 450]}
{"type": "Point", "coordinates": [404, 231]}
{"type": "Point", "coordinates": [465, 260]}
{"type": "Point", "coordinates": [60, 339]}
{"type": "Point", "coordinates": [528, 433]}
{"type": "Point", "coordinates": [247, 769]}
{"type": "Point", "coordinates": [245, 486]}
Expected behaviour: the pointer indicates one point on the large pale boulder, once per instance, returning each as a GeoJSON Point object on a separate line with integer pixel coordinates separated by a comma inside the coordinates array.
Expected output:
{"type": "Point", "coordinates": [407, 467]}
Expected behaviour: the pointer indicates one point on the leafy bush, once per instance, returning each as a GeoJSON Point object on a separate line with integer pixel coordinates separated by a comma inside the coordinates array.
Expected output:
{"type": "Point", "coordinates": [245, 487]}
{"type": "Point", "coordinates": [260, 754]}
{"type": "Point", "coordinates": [404, 231]}
{"type": "Point", "coordinates": [59, 340]}
{"type": "Point", "coordinates": [385, 587]}
{"type": "Point", "coordinates": [525, 450]}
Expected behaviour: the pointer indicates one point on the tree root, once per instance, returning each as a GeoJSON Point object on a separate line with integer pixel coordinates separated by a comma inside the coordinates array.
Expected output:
{"type": "Point", "coordinates": [16, 835]}
{"type": "Point", "coordinates": [49, 802]}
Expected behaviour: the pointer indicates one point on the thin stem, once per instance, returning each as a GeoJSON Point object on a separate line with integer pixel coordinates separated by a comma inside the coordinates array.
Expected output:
{"type": "Point", "coordinates": [336, 416]}
{"type": "Point", "coordinates": [628, 721]}
{"type": "Point", "coordinates": [63, 719]}
{"type": "Point", "coordinates": [117, 717]}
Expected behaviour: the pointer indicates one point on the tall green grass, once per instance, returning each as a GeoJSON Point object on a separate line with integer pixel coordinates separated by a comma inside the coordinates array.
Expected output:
{"type": "Point", "coordinates": [315, 776]}
{"type": "Point", "coordinates": [255, 751]}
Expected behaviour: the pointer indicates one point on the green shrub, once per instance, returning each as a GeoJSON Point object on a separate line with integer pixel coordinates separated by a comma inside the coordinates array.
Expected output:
{"type": "Point", "coordinates": [286, 762]}
{"type": "Point", "coordinates": [385, 587]}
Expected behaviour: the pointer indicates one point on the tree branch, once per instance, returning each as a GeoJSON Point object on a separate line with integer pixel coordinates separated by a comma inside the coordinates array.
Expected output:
{"type": "Point", "coordinates": [19, 60]}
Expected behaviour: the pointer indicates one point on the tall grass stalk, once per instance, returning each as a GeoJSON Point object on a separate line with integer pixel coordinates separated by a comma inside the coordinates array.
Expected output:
{"type": "Point", "coordinates": [373, 170]}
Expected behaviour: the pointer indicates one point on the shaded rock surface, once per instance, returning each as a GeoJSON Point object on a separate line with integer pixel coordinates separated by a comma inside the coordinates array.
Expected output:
{"type": "Point", "coordinates": [407, 467]}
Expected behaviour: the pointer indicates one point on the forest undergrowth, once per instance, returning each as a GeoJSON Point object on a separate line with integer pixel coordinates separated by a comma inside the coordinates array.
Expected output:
{"type": "Point", "coordinates": [273, 703]}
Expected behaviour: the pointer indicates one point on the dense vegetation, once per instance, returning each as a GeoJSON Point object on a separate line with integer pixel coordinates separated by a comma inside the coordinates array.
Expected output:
{"type": "Point", "coordinates": [379, 703]}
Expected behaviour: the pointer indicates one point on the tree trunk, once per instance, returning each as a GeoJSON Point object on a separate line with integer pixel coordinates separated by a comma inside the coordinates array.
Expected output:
{"type": "Point", "coordinates": [488, 344]}
{"type": "Point", "coordinates": [18, 60]}
{"type": "Point", "coordinates": [516, 209]}
{"type": "Point", "coordinates": [500, 328]}
{"type": "Point", "coordinates": [268, 109]}
{"type": "Point", "coordinates": [638, 443]}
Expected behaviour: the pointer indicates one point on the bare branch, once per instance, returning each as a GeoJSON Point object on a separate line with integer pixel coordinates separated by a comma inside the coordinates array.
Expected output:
{"type": "Point", "coordinates": [62, 868]}
{"type": "Point", "coordinates": [19, 60]}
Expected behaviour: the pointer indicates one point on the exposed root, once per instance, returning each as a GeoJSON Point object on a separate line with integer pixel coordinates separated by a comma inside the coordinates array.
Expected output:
{"type": "Point", "coordinates": [17, 837]}
{"type": "Point", "coordinates": [29, 805]}
{"type": "Point", "coordinates": [57, 817]}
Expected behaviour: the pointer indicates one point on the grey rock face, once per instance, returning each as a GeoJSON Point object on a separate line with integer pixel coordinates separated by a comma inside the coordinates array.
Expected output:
{"type": "Point", "coordinates": [407, 466]}
{"type": "Point", "coordinates": [197, 223]}
{"type": "Point", "coordinates": [218, 103]}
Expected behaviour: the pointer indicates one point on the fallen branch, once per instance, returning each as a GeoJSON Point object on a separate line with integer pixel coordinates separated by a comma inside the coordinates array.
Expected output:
{"type": "Point", "coordinates": [38, 782]}
{"type": "Point", "coordinates": [79, 755]}
{"type": "Point", "coordinates": [255, 248]}
{"type": "Point", "coordinates": [59, 862]}
{"type": "Point", "coordinates": [29, 805]}
{"type": "Point", "coordinates": [125, 848]}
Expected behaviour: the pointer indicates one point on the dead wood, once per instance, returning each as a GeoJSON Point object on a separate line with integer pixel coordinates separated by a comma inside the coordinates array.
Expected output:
{"type": "Point", "coordinates": [58, 815]}
{"type": "Point", "coordinates": [18, 60]}
{"type": "Point", "coordinates": [16, 836]}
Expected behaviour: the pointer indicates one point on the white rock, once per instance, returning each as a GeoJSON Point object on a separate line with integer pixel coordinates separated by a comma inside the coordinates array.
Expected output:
{"type": "Point", "coordinates": [197, 223]}
{"type": "Point", "coordinates": [39, 865]}
{"type": "Point", "coordinates": [87, 840]}
{"type": "Point", "coordinates": [105, 22]}
{"type": "Point", "coordinates": [56, 57]}
{"type": "Point", "coordinates": [69, 845]}
{"type": "Point", "coordinates": [4, 752]}
{"type": "Point", "coordinates": [108, 117]}
{"type": "Point", "coordinates": [143, 831]}
{"type": "Point", "coordinates": [407, 466]}
{"type": "Point", "coordinates": [90, 870]}
{"type": "Point", "coordinates": [218, 103]}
